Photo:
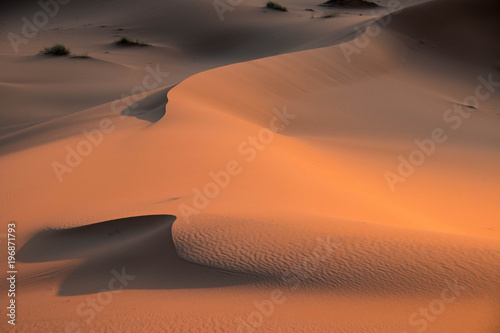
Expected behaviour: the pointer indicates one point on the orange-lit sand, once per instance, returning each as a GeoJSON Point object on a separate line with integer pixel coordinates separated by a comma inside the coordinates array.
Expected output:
{"type": "Point", "coordinates": [255, 187]}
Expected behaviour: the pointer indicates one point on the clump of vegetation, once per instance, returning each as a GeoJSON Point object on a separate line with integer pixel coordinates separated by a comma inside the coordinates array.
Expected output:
{"type": "Point", "coordinates": [57, 50]}
{"type": "Point", "coordinates": [81, 56]}
{"type": "Point", "coordinates": [277, 6]}
{"type": "Point", "coordinates": [125, 41]}
{"type": "Point", "coordinates": [330, 14]}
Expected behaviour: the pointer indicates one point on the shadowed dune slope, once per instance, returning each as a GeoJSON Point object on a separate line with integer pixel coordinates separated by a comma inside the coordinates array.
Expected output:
{"type": "Point", "coordinates": [275, 170]}
{"type": "Point", "coordinates": [462, 29]}
{"type": "Point", "coordinates": [128, 247]}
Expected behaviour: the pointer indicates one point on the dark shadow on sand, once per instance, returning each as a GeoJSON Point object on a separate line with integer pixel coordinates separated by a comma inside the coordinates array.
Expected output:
{"type": "Point", "coordinates": [140, 248]}
{"type": "Point", "coordinates": [151, 108]}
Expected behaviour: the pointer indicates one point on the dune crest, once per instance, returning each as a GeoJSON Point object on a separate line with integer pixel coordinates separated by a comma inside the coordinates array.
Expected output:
{"type": "Point", "coordinates": [253, 170]}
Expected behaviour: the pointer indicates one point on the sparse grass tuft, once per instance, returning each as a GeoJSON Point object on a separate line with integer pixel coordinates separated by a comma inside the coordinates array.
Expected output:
{"type": "Point", "coordinates": [57, 50]}
{"type": "Point", "coordinates": [277, 6]}
{"type": "Point", "coordinates": [125, 41]}
{"type": "Point", "coordinates": [81, 56]}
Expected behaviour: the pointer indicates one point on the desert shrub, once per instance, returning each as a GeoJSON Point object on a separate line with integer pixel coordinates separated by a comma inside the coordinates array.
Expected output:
{"type": "Point", "coordinates": [125, 41]}
{"type": "Point", "coordinates": [57, 49]}
{"type": "Point", "coordinates": [275, 5]}
{"type": "Point", "coordinates": [80, 56]}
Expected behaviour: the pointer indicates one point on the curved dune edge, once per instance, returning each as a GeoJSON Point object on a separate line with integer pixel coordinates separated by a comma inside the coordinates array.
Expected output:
{"type": "Point", "coordinates": [333, 126]}
{"type": "Point", "coordinates": [149, 107]}
{"type": "Point", "coordinates": [181, 52]}
{"type": "Point", "coordinates": [311, 216]}
{"type": "Point", "coordinates": [84, 256]}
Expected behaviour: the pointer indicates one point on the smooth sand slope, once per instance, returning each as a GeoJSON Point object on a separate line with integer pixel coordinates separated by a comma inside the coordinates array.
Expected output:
{"type": "Point", "coordinates": [289, 174]}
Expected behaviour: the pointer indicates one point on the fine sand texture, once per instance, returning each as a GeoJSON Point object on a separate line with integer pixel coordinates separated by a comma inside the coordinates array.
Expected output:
{"type": "Point", "coordinates": [236, 168]}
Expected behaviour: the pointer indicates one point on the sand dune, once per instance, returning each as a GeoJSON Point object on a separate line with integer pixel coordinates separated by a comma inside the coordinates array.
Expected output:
{"type": "Point", "coordinates": [268, 172]}
{"type": "Point", "coordinates": [122, 242]}
{"type": "Point", "coordinates": [405, 262]}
